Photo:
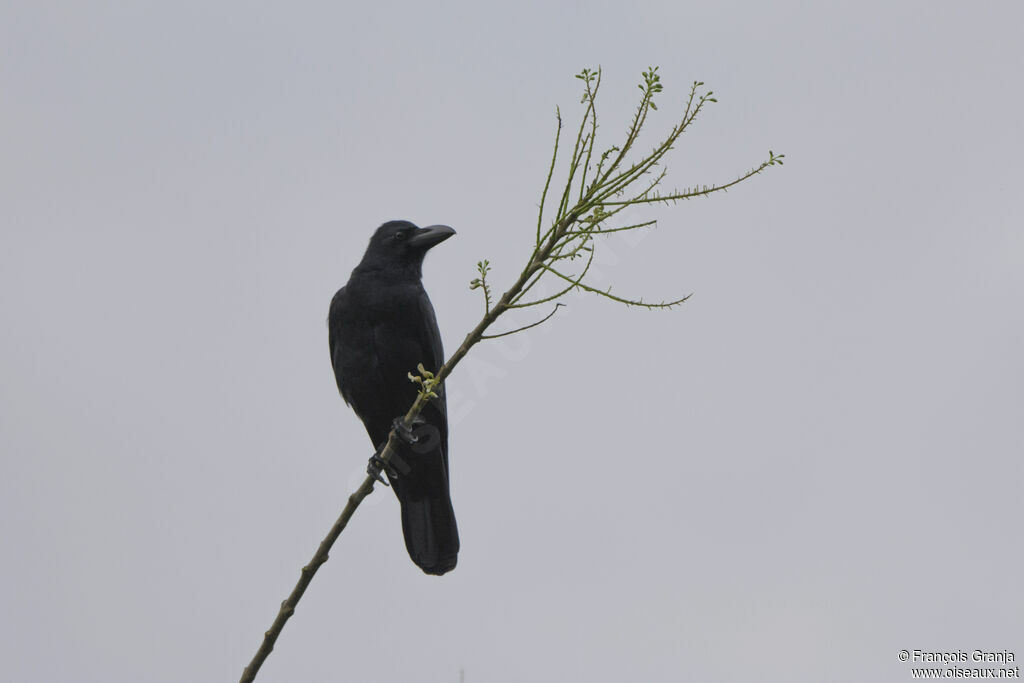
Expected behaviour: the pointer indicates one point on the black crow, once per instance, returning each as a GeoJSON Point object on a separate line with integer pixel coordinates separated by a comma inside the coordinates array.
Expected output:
{"type": "Point", "coordinates": [381, 327]}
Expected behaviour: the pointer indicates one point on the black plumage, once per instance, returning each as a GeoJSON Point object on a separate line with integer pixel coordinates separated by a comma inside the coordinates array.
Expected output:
{"type": "Point", "coordinates": [381, 326]}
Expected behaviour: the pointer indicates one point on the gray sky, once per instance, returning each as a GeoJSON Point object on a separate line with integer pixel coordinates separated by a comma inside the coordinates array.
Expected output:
{"type": "Point", "coordinates": [812, 464]}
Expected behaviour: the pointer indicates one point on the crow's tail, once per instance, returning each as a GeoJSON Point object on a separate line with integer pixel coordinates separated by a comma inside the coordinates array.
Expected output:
{"type": "Point", "coordinates": [431, 537]}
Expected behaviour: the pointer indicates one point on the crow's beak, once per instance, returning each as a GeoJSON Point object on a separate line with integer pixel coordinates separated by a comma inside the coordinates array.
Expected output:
{"type": "Point", "coordinates": [427, 237]}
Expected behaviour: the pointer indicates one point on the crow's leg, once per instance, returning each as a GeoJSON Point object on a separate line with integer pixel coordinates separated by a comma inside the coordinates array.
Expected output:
{"type": "Point", "coordinates": [407, 434]}
{"type": "Point", "coordinates": [396, 467]}
{"type": "Point", "coordinates": [377, 465]}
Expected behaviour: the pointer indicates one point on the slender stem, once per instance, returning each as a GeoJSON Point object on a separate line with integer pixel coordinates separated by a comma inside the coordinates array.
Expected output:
{"type": "Point", "coordinates": [694, 192]}
{"type": "Point", "coordinates": [560, 241]}
{"type": "Point", "coordinates": [577, 155]}
{"type": "Point", "coordinates": [626, 178]}
{"type": "Point", "coordinates": [608, 295]}
{"type": "Point", "coordinates": [288, 606]}
{"type": "Point", "coordinates": [547, 181]}
{"type": "Point", "coordinates": [605, 231]}
{"type": "Point", "coordinates": [366, 488]}
{"type": "Point", "coordinates": [524, 327]}
{"type": "Point", "coordinates": [591, 95]}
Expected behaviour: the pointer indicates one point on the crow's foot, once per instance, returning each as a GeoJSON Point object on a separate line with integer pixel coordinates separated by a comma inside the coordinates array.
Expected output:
{"type": "Point", "coordinates": [404, 433]}
{"type": "Point", "coordinates": [376, 466]}
{"type": "Point", "coordinates": [396, 466]}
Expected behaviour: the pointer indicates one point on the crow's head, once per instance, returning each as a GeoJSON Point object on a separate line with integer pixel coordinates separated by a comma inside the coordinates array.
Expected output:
{"type": "Point", "coordinates": [400, 245]}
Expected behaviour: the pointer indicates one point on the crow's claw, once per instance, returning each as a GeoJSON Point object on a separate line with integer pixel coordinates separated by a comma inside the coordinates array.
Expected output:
{"type": "Point", "coordinates": [404, 433]}
{"type": "Point", "coordinates": [396, 467]}
{"type": "Point", "coordinates": [376, 466]}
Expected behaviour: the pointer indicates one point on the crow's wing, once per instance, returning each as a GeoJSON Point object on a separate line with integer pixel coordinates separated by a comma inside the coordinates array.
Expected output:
{"type": "Point", "coordinates": [436, 411]}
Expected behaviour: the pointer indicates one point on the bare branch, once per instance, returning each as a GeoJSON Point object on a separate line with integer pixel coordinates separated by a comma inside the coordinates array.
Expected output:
{"type": "Point", "coordinates": [608, 295]}
{"type": "Point", "coordinates": [699, 192]}
{"type": "Point", "coordinates": [524, 327]}
{"type": "Point", "coordinates": [605, 231]}
{"type": "Point", "coordinates": [571, 233]}
{"type": "Point", "coordinates": [560, 293]}
{"type": "Point", "coordinates": [547, 181]}
{"type": "Point", "coordinates": [591, 96]}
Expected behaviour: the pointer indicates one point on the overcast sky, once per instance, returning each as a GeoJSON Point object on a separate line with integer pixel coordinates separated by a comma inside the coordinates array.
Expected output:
{"type": "Point", "coordinates": [812, 464]}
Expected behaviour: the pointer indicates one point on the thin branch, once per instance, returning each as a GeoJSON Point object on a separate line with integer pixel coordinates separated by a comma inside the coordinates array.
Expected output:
{"type": "Point", "coordinates": [582, 245]}
{"type": "Point", "coordinates": [560, 293]}
{"type": "Point", "coordinates": [591, 95]}
{"type": "Point", "coordinates": [524, 327]}
{"type": "Point", "coordinates": [547, 181]}
{"type": "Point", "coordinates": [694, 192]}
{"type": "Point", "coordinates": [527, 287]}
{"type": "Point", "coordinates": [570, 234]}
{"type": "Point", "coordinates": [577, 153]}
{"type": "Point", "coordinates": [483, 267]}
{"type": "Point", "coordinates": [634, 130]}
{"type": "Point", "coordinates": [386, 454]}
{"type": "Point", "coordinates": [290, 603]}
{"type": "Point", "coordinates": [607, 293]}
{"type": "Point", "coordinates": [620, 182]}
{"type": "Point", "coordinates": [605, 231]}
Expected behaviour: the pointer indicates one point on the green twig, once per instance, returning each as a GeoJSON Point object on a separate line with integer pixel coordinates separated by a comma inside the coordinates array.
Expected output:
{"type": "Point", "coordinates": [575, 230]}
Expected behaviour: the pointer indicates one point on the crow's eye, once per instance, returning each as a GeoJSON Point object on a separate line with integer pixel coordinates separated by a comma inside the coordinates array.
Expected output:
{"type": "Point", "coordinates": [399, 236]}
